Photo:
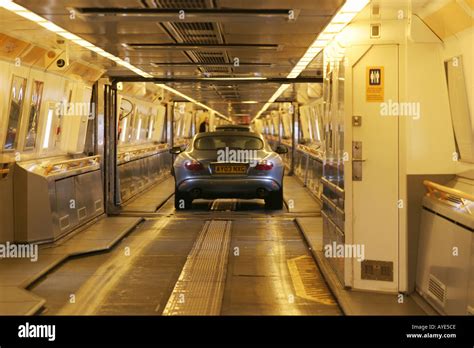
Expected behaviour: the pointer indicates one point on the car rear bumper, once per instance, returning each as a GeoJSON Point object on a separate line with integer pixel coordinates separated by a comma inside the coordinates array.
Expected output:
{"type": "Point", "coordinates": [229, 188]}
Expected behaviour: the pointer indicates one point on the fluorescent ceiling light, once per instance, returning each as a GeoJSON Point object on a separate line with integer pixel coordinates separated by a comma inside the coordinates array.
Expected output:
{"type": "Point", "coordinates": [11, 6]}
{"type": "Point", "coordinates": [334, 27]}
{"type": "Point", "coordinates": [182, 95]}
{"type": "Point", "coordinates": [273, 98]}
{"type": "Point", "coordinates": [97, 49]}
{"type": "Point", "coordinates": [342, 18]}
{"type": "Point", "coordinates": [52, 27]}
{"type": "Point", "coordinates": [31, 16]}
{"type": "Point", "coordinates": [293, 75]}
{"type": "Point", "coordinates": [70, 36]}
{"type": "Point", "coordinates": [354, 6]}
{"type": "Point", "coordinates": [27, 14]}
{"type": "Point", "coordinates": [233, 78]}
{"type": "Point", "coordinates": [325, 36]}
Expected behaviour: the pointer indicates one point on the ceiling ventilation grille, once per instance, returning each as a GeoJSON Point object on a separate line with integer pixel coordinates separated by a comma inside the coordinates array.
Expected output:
{"type": "Point", "coordinates": [184, 4]}
{"type": "Point", "coordinates": [197, 32]}
{"type": "Point", "coordinates": [200, 33]}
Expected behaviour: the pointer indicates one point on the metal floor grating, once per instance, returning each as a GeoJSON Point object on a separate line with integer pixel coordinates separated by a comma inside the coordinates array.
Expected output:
{"type": "Point", "coordinates": [308, 281]}
{"type": "Point", "coordinates": [200, 287]}
{"type": "Point", "coordinates": [224, 205]}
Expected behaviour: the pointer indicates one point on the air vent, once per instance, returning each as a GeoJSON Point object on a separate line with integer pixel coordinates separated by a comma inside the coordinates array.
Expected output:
{"type": "Point", "coordinates": [82, 213]}
{"type": "Point", "coordinates": [210, 57]}
{"type": "Point", "coordinates": [64, 222]}
{"type": "Point", "coordinates": [437, 290]}
{"type": "Point", "coordinates": [454, 199]}
{"type": "Point", "coordinates": [199, 32]}
{"type": "Point", "coordinates": [98, 205]}
{"type": "Point", "coordinates": [184, 4]}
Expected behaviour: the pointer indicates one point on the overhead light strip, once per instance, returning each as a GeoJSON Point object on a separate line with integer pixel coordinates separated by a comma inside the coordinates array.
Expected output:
{"type": "Point", "coordinates": [50, 26]}
{"type": "Point", "coordinates": [272, 99]}
{"type": "Point", "coordinates": [252, 78]}
{"type": "Point", "coordinates": [182, 95]}
{"type": "Point", "coordinates": [342, 18]}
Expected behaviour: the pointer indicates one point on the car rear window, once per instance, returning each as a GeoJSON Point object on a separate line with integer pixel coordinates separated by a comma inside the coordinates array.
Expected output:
{"type": "Point", "coordinates": [215, 142]}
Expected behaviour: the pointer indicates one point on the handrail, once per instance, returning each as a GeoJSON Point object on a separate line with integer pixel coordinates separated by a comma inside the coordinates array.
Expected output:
{"type": "Point", "coordinates": [333, 186]}
{"type": "Point", "coordinates": [84, 161]}
{"type": "Point", "coordinates": [180, 143]}
{"type": "Point", "coordinates": [447, 195]}
{"type": "Point", "coordinates": [309, 150]}
{"type": "Point", "coordinates": [139, 151]}
{"type": "Point", "coordinates": [332, 204]}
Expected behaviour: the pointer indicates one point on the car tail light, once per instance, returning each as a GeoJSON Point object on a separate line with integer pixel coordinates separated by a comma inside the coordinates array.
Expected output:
{"type": "Point", "coordinates": [193, 165]}
{"type": "Point", "coordinates": [264, 165]}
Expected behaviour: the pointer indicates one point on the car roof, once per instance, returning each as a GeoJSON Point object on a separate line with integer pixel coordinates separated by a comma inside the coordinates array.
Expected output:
{"type": "Point", "coordinates": [228, 132]}
{"type": "Point", "coordinates": [231, 127]}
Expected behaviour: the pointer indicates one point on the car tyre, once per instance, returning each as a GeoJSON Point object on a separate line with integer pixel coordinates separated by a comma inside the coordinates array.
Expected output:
{"type": "Point", "coordinates": [274, 201]}
{"type": "Point", "coordinates": [182, 201]}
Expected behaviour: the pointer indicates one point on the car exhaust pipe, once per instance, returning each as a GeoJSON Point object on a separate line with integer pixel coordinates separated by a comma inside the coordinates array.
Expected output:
{"type": "Point", "coordinates": [262, 193]}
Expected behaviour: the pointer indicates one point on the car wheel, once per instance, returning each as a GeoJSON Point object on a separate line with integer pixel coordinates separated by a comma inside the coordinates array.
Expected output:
{"type": "Point", "coordinates": [274, 201]}
{"type": "Point", "coordinates": [182, 201]}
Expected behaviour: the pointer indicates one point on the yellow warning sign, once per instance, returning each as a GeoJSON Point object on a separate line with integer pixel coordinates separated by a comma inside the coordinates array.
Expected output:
{"type": "Point", "coordinates": [375, 84]}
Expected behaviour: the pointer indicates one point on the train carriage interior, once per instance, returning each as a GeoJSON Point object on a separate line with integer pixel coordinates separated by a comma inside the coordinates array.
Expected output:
{"type": "Point", "coordinates": [365, 106]}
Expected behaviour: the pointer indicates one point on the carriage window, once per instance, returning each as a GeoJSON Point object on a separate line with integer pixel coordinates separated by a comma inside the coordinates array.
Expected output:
{"type": "Point", "coordinates": [123, 129]}
{"type": "Point", "coordinates": [34, 113]}
{"type": "Point", "coordinates": [150, 128]}
{"type": "Point", "coordinates": [316, 122]}
{"type": "Point", "coordinates": [49, 124]}
{"type": "Point", "coordinates": [139, 127]}
{"type": "Point", "coordinates": [286, 121]}
{"type": "Point", "coordinates": [17, 96]}
{"type": "Point", "coordinates": [460, 113]}
{"type": "Point", "coordinates": [145, 127]}
{"type": "Point", "coordinates": [159, 125]}
{"type": "Point", "coordinates": [125, 115]}
{"type": "Point", "coordinates": [305, 126]}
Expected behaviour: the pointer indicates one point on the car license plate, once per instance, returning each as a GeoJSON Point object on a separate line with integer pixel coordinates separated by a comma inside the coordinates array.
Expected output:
{"type": "Point", "coordinates": [230, 169]}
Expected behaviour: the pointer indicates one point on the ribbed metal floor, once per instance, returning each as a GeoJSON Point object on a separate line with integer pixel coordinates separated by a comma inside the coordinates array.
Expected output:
{"type": "Point", "coordinates": [222, 257]}
{"type": "Point", "coordinates": [200, 287]}
{"type": "Point", "coordinates": [224, 205]}
{"type": "Point", "coordinates": [308, 281]}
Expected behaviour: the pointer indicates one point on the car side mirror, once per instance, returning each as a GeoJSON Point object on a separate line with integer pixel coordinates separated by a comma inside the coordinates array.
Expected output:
{"type": "Point", "coordinates": [281, 149]}
{"type": "Point", "coordinates": [175, 150]}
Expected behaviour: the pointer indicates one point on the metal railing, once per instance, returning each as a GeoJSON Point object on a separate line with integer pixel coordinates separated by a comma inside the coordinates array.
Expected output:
{"type": "Point", "coordinates": [126, 155]}
{"type": "Point", "coordinates": [72, 164]}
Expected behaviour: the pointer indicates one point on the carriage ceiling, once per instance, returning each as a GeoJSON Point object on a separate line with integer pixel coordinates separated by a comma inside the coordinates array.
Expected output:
{"type": "Point", "coordinates": [200, 39]}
